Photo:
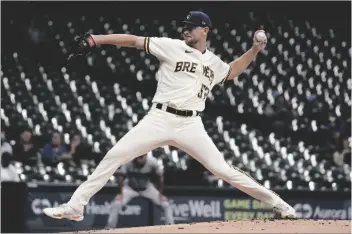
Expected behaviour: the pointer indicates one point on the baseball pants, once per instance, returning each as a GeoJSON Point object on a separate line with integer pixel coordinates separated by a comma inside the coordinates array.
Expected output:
{"type": "Point", "coordinates": [128, 194]}
{"type": "Point", "coordinates": [159, 128]}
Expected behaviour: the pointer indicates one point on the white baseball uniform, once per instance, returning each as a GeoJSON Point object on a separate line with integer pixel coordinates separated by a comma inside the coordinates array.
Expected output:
{"type": "Point", "coordinates": [185, 78]}
{"type": "Point", "coordinates": [137, 183]}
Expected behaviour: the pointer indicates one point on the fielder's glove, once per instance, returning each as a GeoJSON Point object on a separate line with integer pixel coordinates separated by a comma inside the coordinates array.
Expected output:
{"type": "Point", "coordinates": [83, 46]}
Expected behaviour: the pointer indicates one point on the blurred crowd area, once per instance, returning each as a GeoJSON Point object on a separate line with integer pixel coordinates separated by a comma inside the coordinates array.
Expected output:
{"type": "Point", "coordinates": [306, 113]}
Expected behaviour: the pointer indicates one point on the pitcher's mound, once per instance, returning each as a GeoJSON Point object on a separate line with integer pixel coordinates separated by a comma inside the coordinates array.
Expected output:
{"type": "Point", "coordinates": [245, 226]}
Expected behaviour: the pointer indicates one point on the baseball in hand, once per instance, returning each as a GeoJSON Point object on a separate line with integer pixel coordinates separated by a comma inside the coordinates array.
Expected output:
{"type": "Point", "coordinates": [260, 36]}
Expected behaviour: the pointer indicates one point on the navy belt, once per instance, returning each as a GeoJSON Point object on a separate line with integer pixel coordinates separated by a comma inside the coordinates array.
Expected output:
{"type": "Point", "coordinates": [186, 113]}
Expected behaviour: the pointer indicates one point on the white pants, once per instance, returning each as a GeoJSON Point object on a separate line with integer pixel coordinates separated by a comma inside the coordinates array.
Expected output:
{"type": "Point", "coordinates": [159, 128]}
{"type": "Point", "coordinates": [128, 194]}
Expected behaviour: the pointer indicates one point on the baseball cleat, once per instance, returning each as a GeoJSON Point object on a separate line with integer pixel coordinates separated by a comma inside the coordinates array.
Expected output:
{"type": "Point", "coordinates": [285, 211]}
{"type": "Point", "coordinates": [63, 211]}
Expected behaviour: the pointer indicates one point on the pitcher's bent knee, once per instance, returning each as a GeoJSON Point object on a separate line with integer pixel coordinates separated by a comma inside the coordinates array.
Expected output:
{"type": "Point", "coordinates": [115, 152]}
{"type": "Point", "coordinates": [121, 153]}
{"type": "Point", "coordinates": [118, 155]}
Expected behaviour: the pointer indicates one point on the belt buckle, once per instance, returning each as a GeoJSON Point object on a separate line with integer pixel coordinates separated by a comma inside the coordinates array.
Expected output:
{"type": "Point", "coordinates": [163, 107]}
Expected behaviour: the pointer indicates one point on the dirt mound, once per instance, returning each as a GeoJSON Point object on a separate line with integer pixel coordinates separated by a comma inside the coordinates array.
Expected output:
{"type": "Point", "coordinates": [245, 226]}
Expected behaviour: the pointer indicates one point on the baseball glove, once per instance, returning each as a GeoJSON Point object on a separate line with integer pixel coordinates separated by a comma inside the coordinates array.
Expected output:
{"type": "Point", "coordinates": [82, 46]}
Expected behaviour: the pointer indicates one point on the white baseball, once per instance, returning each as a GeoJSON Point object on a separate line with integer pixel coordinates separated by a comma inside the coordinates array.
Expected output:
{"type": "Point", "coordinates": [260, 36]}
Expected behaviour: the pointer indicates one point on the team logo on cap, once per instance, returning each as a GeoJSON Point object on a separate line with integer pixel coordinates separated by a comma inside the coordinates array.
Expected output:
{"type": "Point", "coordinates": [188, 16]}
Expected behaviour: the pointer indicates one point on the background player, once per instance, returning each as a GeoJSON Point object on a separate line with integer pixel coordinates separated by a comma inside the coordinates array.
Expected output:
{"type": "Point", "coordinates": [135, 181]}
{"type": "Point", "coordinates": [187, 73]}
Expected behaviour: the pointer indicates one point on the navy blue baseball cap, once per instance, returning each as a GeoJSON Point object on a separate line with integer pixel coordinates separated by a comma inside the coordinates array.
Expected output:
{"type": "Point", "coordinates": [198, 18]}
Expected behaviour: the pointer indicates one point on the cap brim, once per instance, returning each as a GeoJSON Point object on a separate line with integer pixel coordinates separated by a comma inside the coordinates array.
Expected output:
{"type": "Point", "coordinates": [188, 22]}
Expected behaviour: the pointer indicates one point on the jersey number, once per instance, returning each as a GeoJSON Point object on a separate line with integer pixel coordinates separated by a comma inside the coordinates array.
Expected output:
{"type": "Point", "coordinates": [204, 92]}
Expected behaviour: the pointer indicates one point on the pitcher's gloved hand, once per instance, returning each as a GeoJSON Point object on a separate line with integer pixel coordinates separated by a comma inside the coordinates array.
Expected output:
{"type": "Point", "coordinates": [83, 46]}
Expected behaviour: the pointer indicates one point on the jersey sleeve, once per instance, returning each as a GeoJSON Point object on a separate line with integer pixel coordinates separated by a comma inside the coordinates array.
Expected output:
{"type": "Point", "coordinates": [224, 71]}
{"type": "Point", "coordinates": [158, 46]}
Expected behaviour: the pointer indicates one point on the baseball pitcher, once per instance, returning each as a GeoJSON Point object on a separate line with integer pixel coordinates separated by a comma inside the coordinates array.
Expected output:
{"type": "Point", "coordinates": [187, 73]}
{"type": "Point", "coordinates": [135, 181]}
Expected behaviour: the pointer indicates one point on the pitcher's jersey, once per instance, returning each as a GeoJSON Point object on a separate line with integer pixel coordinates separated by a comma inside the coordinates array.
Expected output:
{"type": "Point", "coordinates": [186, 76]}
{"type": "Point", "coordinates": [139, 177]}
